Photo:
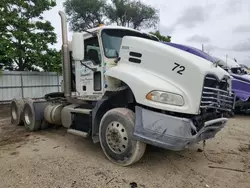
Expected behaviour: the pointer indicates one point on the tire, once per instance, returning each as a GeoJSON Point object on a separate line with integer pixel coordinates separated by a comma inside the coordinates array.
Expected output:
{"type": "Point", "coordinates": [16, 111]}
{"type": "Point", "coordinates": [29, 117]}
{"type": "Point", "coordinates": [115, 134]}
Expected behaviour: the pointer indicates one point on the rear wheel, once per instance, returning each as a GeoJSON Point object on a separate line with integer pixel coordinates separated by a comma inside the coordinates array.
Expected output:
{"type": "Point", "coordinates": [115, 133]}
{"type": "Point", "coordinates": [29, 117]}
{"type": "Point", "coordinates": [16, 111]}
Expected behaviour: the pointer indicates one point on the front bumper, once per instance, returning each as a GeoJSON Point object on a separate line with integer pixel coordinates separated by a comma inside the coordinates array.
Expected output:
{"type": "Point", "coordinates": [172, 132]}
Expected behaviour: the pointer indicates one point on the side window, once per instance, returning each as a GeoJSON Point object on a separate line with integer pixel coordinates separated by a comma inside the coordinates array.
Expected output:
{"type": "Point", "coordinates": [92, 50]}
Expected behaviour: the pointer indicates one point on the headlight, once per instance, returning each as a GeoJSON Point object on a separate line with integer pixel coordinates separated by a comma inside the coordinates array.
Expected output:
{"type": "Point", "coordinates": [166, 97]}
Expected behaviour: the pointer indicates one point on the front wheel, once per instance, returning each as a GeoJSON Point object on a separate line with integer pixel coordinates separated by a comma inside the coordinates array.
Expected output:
{"type": "Point", "coordinates": [115, 134]}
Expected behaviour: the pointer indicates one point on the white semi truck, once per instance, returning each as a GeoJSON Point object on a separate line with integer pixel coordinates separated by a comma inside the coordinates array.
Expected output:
{"type": "Point", "coordinates": [125, 89]}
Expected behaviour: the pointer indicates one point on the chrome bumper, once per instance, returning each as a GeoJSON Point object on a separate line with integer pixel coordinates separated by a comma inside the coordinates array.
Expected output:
{"type": "Point", "coordinates": [172, 132]}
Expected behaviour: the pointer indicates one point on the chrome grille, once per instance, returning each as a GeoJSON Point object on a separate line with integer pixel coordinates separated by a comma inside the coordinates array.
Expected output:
{"type": "Point", "coordinates": [215, 95]}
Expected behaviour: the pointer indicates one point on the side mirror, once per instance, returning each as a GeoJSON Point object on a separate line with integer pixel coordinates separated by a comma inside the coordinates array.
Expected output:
{"type": "Point", "coordinates": [78, 47]}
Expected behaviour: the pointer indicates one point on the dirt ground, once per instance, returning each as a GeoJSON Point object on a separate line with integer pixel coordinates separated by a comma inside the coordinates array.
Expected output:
{"type": "Point", "coordinates": [55, 159]}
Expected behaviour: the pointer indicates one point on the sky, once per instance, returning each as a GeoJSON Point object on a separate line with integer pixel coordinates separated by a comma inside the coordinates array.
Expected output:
{"type": "Point", "coordinates": [223, 27]}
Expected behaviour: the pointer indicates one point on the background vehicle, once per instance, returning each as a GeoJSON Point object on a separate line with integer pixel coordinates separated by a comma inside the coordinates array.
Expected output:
{"type": "Point", "coordinates": [245, 68]}
{"type": "Point", "coordinates": [124, 89]}
{"type": "Point", "coordinates": [240, 84]}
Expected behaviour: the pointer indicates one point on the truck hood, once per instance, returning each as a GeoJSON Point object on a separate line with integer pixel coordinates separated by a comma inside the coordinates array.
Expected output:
{"type": "Point", "coordinates": [181, 72]}
{"type": "Point", "coordinates": [198, 57]}
{"type": "Point", "coordinates": [157, 51]}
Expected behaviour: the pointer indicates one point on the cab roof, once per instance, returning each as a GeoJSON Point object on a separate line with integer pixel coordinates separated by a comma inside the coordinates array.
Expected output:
{"type": "Point", "coordinates": [96, 29]}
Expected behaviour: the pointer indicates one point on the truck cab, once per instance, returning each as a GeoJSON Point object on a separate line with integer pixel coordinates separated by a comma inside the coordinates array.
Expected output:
{"type": "Point", "coordinates": [101, 48]}
{"type": "Point", "coordinates": [125, 89]}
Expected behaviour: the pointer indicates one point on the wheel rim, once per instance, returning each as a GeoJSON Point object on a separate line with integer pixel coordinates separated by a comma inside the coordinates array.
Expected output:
{"type": "Point", "coordinates": [14, 112]}
{"type": "Point", "coordinates": [117, 137]}
{"type": "Point", "coordinates": [27, 115]}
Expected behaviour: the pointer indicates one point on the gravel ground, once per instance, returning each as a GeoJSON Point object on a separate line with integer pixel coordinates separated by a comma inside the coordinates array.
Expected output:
{"type": "Point", "coordinates": [55, 159]}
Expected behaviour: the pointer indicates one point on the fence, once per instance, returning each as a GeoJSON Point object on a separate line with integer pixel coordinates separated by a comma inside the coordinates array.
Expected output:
{"type": "Point", "coordinates": [15, 84]}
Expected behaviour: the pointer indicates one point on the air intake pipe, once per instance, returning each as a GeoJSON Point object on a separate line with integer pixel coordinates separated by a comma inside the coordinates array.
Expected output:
{"type": "Point", "coordinates": [65, 56]}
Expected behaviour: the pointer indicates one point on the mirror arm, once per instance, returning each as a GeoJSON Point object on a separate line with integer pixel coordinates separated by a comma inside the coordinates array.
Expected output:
{"type": "Point", "coordinates": [93, 69]}
{"type": "Point", "coordinates": [118, 59]}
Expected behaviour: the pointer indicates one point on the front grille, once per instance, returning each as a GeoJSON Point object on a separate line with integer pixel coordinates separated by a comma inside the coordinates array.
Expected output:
{"type": "Point", "coordinates": [215, 94]}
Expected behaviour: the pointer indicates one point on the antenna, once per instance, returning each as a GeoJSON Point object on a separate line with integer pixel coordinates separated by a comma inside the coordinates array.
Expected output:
{"type": "Point", "coordinates": [226, 59]}
{"type": "Point", "coordinates": [159, 22]}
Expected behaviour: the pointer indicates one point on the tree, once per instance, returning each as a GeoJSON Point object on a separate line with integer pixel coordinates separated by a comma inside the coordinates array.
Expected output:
{"type": "Point", "coordinates": [85, 14]}
{"type": "Point", "coordinates": [51, 61]}
{"type": "Point", "coordinates": [161, 37]}
{"type": "Point", "coordinates": [133, 14]}
{"type": "Point", "coordinates": [25, 35]}
{"type": "Point", "coordinates": [119, 12]}
{"type": "Point", "coordinates": [5, 61]}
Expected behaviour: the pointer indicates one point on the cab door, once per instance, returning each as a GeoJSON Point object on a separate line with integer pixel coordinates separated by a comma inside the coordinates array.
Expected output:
{"type": "Point", "coordinates": [89, 72]}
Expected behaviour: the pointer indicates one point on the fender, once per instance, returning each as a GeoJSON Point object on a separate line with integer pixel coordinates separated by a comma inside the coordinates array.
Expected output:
{"type": "Point", "coordinates": [142, 81]}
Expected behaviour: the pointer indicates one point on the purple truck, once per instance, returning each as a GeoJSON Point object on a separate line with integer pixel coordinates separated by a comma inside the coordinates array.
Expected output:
{"type": "Point", "coordinates": [240, 81]}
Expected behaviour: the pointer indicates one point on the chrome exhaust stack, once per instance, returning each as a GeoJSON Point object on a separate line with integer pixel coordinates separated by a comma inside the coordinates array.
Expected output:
{"type": "Point", "coordinates": [65, 55]}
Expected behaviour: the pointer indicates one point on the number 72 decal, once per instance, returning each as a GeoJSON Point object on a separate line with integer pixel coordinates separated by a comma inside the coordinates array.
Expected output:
{"type": "Point", "coordinates": [179, 68]}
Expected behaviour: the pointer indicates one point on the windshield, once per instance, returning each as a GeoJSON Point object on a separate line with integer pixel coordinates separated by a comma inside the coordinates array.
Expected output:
{"type": "Point", "coordinates": [112, 39]}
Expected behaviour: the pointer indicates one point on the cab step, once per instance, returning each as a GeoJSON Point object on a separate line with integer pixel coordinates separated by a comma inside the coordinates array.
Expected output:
{"type": "Point", "coordinates": [78, 133]}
